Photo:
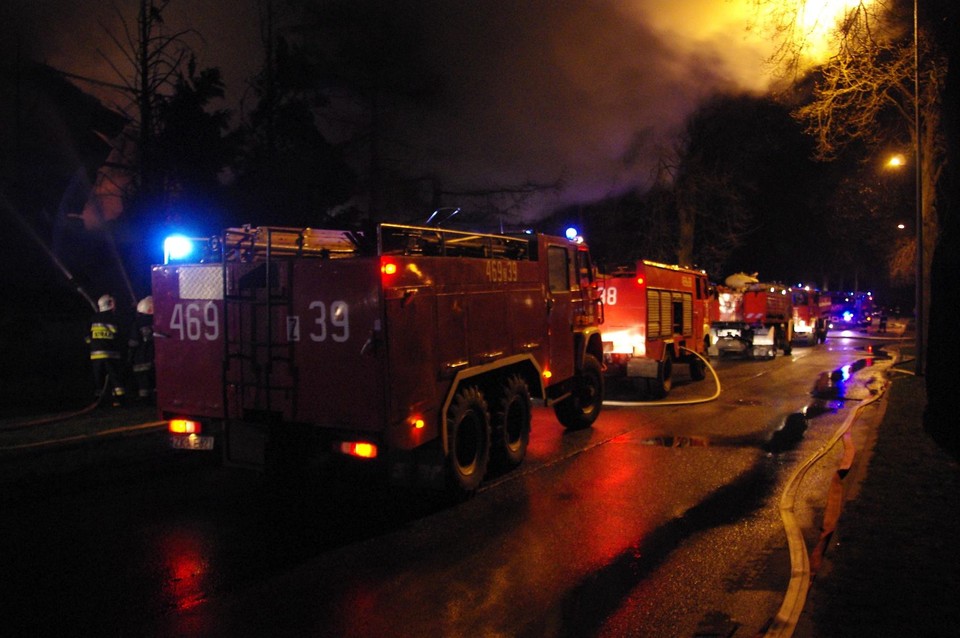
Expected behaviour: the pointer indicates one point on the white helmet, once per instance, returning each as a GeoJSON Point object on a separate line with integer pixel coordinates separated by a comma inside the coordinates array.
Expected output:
{"type": "Point", "coordinates": [106, 303]}
{"type": "Point", "coordinates": [145, 305]}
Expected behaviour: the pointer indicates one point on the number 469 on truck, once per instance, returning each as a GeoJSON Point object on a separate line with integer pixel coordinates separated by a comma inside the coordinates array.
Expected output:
{"type": "Point", "coordinates": [417, 349]}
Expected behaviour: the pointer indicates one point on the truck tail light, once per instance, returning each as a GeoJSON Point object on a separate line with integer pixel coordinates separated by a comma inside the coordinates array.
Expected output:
{"type": "Point", "coordinates": [359, 449]}
{"type": "Point", "coordinates": [184, 426]}
{"type": "Point", "coordinates": [640, 280]}
{"type": "Point", "coordinates": [388, 267]}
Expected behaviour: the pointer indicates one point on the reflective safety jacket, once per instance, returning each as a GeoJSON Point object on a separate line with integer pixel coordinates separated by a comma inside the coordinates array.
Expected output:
{"type": "Point", "coordinates": [104, 337]}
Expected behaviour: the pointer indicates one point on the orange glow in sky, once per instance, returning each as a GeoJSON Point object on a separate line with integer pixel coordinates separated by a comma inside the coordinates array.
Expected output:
{"type": "Point", "coordinates": [818, 21]}
{"type": "Point", "coordinates": [734, 32]}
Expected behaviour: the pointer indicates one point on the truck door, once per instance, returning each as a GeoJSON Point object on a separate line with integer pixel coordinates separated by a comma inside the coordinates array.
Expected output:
{"type": "Point", "coordinates": [560, 311]}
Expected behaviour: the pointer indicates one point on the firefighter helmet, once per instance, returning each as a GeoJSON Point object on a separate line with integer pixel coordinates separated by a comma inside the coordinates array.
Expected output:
{"type": "Point", "coordinates": [145, 305]}
{"type": "Point", "coordinates": [105, 303]}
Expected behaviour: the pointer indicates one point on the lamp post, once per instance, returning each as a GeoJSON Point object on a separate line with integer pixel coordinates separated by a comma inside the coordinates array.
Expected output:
{"type": "Point", "coordinates": [920, 343]}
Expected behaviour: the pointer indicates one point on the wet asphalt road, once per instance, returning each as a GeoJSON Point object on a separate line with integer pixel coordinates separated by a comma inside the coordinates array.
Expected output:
{"type": "Point", "coordinates": [656, 522]}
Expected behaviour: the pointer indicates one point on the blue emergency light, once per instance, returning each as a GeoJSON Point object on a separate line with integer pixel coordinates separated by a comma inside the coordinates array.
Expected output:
{"type": "Point", "coordinates": [177, 248]}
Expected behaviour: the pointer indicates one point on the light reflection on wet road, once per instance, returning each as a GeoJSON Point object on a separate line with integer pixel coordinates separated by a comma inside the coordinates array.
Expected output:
{"type": "Point", "coordinates": [647, 520]}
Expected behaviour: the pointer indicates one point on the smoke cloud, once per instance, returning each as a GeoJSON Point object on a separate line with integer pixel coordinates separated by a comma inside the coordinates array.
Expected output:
{"type": "Point", "coordinates": [587, 91]}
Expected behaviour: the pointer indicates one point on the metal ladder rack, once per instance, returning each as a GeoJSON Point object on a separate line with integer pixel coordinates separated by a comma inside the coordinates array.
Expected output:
{"type": "Point", "coordinates": [256, 291]}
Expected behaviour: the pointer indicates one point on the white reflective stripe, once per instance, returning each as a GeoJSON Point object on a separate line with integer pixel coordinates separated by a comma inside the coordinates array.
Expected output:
{"type": "Point", "coordinates": [200, 282]}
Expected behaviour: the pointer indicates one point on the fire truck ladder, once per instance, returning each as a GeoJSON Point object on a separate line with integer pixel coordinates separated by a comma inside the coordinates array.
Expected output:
{"type": "Point", "coordinates": [259, 360]}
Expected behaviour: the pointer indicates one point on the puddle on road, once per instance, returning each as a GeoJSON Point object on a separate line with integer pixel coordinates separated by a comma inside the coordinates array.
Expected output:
{"type": "Point", "coordinates": [833, 385]}
{"type": "Point", "coordinates": [829, 394]}
{"type": "Point", "coordinates": [784, 437]}
{"type": "Point", "coordinates": [820, 407]}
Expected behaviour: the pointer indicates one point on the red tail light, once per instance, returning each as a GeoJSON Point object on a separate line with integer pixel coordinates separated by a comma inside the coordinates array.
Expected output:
{"type": "Point", "coordinates": [359, 449]}
{"type": "Point", "coordinates": [184, 426]}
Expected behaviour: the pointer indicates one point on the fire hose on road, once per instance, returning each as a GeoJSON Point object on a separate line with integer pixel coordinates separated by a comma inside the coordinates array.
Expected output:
{"type": "Point", "coordinates": [712, 397]}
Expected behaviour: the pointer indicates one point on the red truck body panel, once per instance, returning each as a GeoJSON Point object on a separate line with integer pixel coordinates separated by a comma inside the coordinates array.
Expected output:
{"type": "Point", "coordinates": [369, 343]}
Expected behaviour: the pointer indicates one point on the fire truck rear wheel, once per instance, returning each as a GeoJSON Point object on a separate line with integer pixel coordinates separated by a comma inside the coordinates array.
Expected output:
{"type": "Point", "coordinates": [661, 386]}
{"type": "Point", "coordinates": [581, 408]}
{"type": "Point", "coordinates": [512, 424]}
{"type": "Point", "coordinates": [698, 369]}
{"type": "Point", "coordinates": [468, 432]}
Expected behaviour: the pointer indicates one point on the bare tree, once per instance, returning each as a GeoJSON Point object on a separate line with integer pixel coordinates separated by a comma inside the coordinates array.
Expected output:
{"type": "Point", "coordinates": [152, 61]}
{"type": "Point", "coordinates": [882, 86]}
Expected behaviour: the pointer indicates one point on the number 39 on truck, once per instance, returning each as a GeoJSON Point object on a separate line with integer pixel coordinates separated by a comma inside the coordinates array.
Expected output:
{"type": "Point", "coordinates": [415, 349]}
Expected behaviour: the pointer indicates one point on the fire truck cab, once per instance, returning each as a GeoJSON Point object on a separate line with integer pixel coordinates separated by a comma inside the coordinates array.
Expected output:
{"type": "Point", "coordinates": [655, 315]}
{"type": "Point", "coordinates": [414, 348]}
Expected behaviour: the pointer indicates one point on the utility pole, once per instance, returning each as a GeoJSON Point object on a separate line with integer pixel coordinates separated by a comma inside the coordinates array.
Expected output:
{"type": "Point", "coordinates": [921, 314]}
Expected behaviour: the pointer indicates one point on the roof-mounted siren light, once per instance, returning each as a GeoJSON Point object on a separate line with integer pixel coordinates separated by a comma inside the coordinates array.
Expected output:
{"type": "Point", "coordinates": [573, 234]}
{"type": "Point", "coordinates": [177, 248]}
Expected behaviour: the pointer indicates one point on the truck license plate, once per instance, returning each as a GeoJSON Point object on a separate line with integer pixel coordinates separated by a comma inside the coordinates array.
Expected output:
{"type": "Point", "coordinates": [192, 442]}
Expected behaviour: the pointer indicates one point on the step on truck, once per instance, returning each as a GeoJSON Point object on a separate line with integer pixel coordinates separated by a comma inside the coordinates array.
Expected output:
{"type": "Point", "coordinates": [751, 318]}
{"type": "Point", "coordinates": [655, 315]}
{"type": "Point", "coordinates": [416, 349]}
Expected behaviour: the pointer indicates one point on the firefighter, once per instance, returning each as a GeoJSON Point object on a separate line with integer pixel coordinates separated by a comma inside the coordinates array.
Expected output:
{"type": "Point", "coordinates": [141, 351]}
{"type": "Point", "coordinates": [106, 352]}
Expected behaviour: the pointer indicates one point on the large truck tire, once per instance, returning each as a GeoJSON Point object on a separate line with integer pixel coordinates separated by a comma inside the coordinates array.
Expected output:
{"type": "Point", "coordinates": [511, 424]}
{"type": "Point", "coordinates": [582, 407]}
{"type": "Point", "coordinates": [468, 432]}
{"type": "Point", "coordinates": [698, 369]}
{"type": "Point", "coordinates": [784, 337]}
{"type": "Point", "coordinates": [660, 386]}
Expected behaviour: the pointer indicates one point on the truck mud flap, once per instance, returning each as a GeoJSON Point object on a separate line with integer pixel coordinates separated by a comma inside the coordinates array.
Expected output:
{"type": "Point", "coordinates": [245, 445]}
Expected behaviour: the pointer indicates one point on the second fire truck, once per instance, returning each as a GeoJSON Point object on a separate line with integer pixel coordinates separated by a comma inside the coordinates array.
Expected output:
{"type": "Point", "coordinates": [811, 315]}
{"type": "Point", "coordinates": [654, 315]}
{"type": "Point", "coordinates": [751, 318]}
{"type": "Point", "coordinates": [414, 348]}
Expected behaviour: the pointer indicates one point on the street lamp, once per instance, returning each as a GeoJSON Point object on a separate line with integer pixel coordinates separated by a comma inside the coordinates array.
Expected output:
{"type": "Point", "coordinates": [920, 312]}
{"type": "Point", "coordinates": [896, 161]}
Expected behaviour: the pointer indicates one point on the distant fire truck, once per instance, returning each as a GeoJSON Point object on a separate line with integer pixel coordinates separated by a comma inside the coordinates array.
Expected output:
{"type": "Point", "coordinates": [811, 315]}
{"type": "Point", "coordinates": [415, 347]}
{"type": "Point", "coordinates": [654, 315]}
{"type": "Point", "coordinates": [751, 318]}
{"type": "Point", "coordinates": [852, 310]}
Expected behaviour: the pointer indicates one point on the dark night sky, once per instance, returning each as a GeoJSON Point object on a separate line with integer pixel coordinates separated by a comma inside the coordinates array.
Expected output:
{"type": "Point", "coordinates": [589, 91]}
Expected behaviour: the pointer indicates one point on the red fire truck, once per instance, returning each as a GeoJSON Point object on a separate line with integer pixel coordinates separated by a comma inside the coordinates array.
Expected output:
{"type": "Point", "coordinates": [416, 348]}
{"type": "Point", "coordinates": [811, 315]}
{"type": "Point", "coordinates": [654, 315]}
{"type": "Point", "coordinates": [751, 318]}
